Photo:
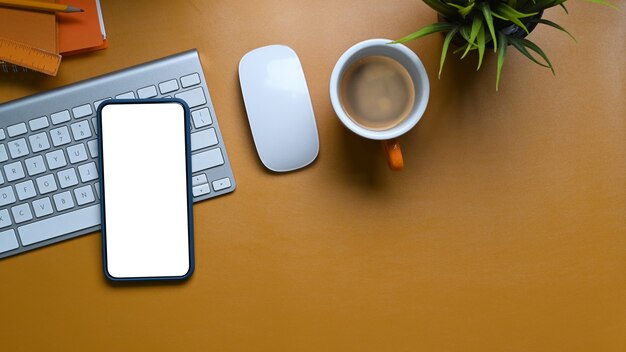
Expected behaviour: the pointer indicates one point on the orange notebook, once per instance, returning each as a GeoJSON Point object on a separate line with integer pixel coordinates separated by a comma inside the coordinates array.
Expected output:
{"type": "Point", "coordinates": [80, 31]}
{"type": "Point", "coordinates": [37, 29]}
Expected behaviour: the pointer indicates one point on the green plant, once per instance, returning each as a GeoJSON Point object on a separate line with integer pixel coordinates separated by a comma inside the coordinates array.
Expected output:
{"type": "Point", "coordinates": [481, 24]}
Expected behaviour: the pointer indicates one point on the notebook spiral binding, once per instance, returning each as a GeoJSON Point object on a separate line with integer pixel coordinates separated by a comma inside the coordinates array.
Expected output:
{"type": "Point", "coordinates": [6, 67]}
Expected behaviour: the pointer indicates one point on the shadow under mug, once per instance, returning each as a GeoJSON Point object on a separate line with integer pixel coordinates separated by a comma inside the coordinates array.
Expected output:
{"type": "Point", "coordinates": [409, 60]}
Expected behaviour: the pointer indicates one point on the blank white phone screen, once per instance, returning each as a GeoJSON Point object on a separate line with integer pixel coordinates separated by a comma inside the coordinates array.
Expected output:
{"type": "Point", "coordinates": [145, 190]}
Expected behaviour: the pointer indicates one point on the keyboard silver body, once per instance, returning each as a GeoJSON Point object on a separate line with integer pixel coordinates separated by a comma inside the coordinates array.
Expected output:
{"type": "Point", "coordinates": [49, 177]}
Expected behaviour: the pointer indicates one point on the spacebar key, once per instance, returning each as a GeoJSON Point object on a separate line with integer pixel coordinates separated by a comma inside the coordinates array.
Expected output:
{"type": "Point", "coordinates": [60, 225]}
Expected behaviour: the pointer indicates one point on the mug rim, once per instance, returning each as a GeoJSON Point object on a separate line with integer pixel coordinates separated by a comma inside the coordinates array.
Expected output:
{"type": "Point", "coordinates": [419, 107]}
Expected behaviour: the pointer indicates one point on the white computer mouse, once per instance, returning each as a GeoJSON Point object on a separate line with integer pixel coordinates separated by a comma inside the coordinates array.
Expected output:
{"type": "Point", "coordinates": [279, 108]}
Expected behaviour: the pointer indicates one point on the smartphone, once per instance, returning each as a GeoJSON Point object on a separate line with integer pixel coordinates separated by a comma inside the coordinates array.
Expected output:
{"type": "Point", "coordinates": [145, 187]}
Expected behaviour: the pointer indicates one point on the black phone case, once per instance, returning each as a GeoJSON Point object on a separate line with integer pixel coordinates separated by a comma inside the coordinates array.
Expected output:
{"type": "Point", "coordinates": [189, 186]}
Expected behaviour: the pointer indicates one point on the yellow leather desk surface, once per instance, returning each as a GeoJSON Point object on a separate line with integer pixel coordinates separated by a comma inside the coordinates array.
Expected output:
{"type": "Point", "coordinates": [505, 232]}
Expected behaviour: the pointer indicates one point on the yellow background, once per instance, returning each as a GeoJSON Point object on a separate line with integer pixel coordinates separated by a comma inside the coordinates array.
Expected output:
{"type": "Point", "coordinates": [506, 231]}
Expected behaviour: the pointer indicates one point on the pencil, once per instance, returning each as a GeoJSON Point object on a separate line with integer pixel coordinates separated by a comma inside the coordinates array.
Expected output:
{"type": "Point", "coordinates": [39, 6]}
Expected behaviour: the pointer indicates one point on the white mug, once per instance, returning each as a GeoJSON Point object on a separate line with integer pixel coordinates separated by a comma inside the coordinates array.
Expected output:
{"type": "Point", "coordinates": [409, 60]}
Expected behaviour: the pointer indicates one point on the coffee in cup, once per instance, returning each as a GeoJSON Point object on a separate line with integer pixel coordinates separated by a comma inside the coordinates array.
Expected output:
{"type": "Point", "coordinates": [377, 92]}
{"type": "Point", "coordinates": [380, 91]}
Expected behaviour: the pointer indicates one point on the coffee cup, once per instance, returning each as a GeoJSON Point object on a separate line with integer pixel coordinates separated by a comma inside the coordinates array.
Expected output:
{"type": "Point", "coordinates": [380, 91]}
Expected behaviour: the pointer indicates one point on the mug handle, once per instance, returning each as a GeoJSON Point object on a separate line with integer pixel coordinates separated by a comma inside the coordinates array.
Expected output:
{"type": "Point", "coordinates": [393, 154]}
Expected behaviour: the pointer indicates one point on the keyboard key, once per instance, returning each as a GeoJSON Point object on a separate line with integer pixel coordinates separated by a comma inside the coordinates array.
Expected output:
{"type": "Point", "coordinates": [193, 98]}
{"type": "Point", "coordinates": [56, 159]}
{"type": "Point", "coordinates": [206, 160]}
{"type": "Point", "coordinates": [190, 80]}
{"type": "Point", "coordinates": [201, 190]}
{"type": "Point", "coordinates": [77, 153]}
{"type": "Point", "coordinates": [199, 179]}
{"type": "Point", "coordinates": [84, 195]}
{"type": "Point", "coordinates": [14, 171]}
{"type": "Point", "coordinates": [168, 86]}
{"type": "Point", "coordinates": [147, 92]}
{"type": "Point", "coordinates": [38, 123]}
{"type": "Point", "coordinates": [42, 207]}
{"type": "Point", "coordinates": [81, 130]}
{"type": "Point", "coordinates": [60, 136]}
{"type": "Point", "coordinates": [94, 122]}
{"type": "Point", "coordinates": [201, 118]}
{"type": "Point", "coordinates": [18, 148]}
{"type": "Point", "coordinates": [63, 201]}
{"type": "Point", "coordinates": [60, 117]}
{"type": "Point", "coordinates": [46, 184]}
{"type": "Point", "coordinates": [67, 178]}
{"type": "Point", "coordinates": [97, 103]}
{"type": "Point", "coordinates": [17, 129]}
{"type": "Point", "coordinates": [59, 225]}
{"type": "Point", "coordinates": [21, 213]}
{"type": "Point", "coordinates": [1, 178]}
{"type": "Point", "coordinates": [35, 166]}
{"type": "Point", "coordinates": [221, 184]}
{"type": "Point", "coordinates": [25, 190]}
{"type": "Point", "coordinates": [39, 142]}
{"type": "Point", "coordinates": [127, 95]}
{"type": "Point", "coordinates": [5, 219]}
{"type": "Point", "coordinates": [3, 153]}
{"type": "Point", "coordinates": [6, 196]}
{"type": "Point", "coordinates": [93, 148]}
{"type": "Point", "coordinates": [88, 172]}
{"type": "Point", "coordinates": [8, 241]}
{"type": "Point", "coordinates": [2, 136]}
{"type": "Point", "coordinates": [82, 111]}
{"type": "Point", "coordinates": [203, 139]}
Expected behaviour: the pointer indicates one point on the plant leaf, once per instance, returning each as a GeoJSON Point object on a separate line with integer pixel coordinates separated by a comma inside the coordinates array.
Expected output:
{"type": "Point", "coordinates": [467, 9]}
{"type": "Point", "coordinates": [518, 44]}
{"type": "Point", "coordinates": [552, 24]}
{"type": "Point", "coordinates": [512, 15]}
{"type": "Point", "coordinates": [494, 14]}
{"type": "Point", "coordinates": [489, 20]}
{"type": "Point", "coordinates": [444, 51]}
{"type": "Point", "coordinates": [532, 46]}
{"type": "Point", "coordinates": [443, 9]}
{"type": "Point", "coordinates": [477, 24]}
{"type": "Point", "coordinates": [463, 11]}
{"type": "Point", "coordinates": [501, 54]}
{"type": "Point", "coordinates": [461, 48]}
{"type": "Point", "coordinates": [433, 28]}
{"type": "Point", "coordinates": [480, 39]}
{"type": "Point", "coordinates": [514, 20]}
{"type": "Point", "coordinates": [465, 33]}
{"type": "Point", "coordinates": [564, 8]}
{"type": "Point", "coordinates": [511, 12]}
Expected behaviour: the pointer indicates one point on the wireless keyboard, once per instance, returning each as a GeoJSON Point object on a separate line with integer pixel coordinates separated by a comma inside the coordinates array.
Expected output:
{"type": "Point", "coordinates": [49, 177]}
